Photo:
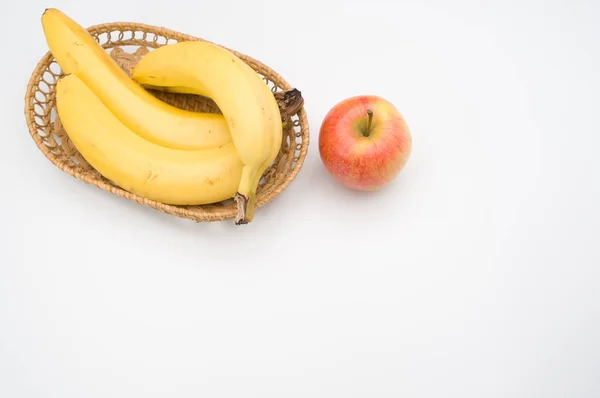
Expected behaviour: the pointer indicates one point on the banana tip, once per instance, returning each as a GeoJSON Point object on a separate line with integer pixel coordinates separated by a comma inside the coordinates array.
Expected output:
{"type": "Point", "coordinates": [241, 202]}
{"type": "Point", "coordinates": [245, 209]}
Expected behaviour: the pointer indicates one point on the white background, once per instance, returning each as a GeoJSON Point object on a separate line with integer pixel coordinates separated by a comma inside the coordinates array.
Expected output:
{"type": "Point", "coordinates": [475, 274]}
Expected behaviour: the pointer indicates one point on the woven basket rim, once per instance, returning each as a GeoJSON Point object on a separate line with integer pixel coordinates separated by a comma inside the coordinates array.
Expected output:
{"type": "Point", "coordinates": [196, 213]}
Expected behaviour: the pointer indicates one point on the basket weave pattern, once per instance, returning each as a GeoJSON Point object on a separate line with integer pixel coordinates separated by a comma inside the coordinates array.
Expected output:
{"type": "Point", "coordinates": [127, 43]}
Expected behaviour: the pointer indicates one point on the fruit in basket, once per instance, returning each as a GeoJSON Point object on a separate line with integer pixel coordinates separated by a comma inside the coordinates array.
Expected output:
{"type": "Point", "coordinates": [289, 102]}
{"type": "Point", "coordinates": [172, 176]}
{"type": "Point", "coordinates": [78, 53]}
{"type": "Point", "coordinates": [364, 142]}
{"type": "Point", "coordinates": [250, 109]}
{"type": "Point", "coordinates": [158, 151]}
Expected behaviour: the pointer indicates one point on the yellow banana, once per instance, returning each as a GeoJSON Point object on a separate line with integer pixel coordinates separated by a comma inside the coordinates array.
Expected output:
{"type": "Point", "coordinates": [173, 176]}
{"type": "Point", "coordinates": [251, 111]}
{"type": "Point", "coordinates": [77, 53]}
{"type": "Point", "coordinates": [277, 138]}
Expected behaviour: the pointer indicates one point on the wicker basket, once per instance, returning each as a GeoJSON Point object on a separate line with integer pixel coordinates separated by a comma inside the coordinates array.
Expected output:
{"type": "Point", "coordinates": [127, 43]}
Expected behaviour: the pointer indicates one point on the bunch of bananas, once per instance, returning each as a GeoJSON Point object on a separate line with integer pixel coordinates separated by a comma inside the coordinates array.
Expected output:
{"type": "Point", "coordinates": [156, 150]}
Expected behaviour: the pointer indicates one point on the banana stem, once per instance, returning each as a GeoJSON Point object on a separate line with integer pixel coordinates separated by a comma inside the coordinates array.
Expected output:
{"type": "Point", "coordinates": [241, 202]}
{"type": "Point", "coordinates": [245, 198]}
{"type": "Point", "coordinates": [289, 102]}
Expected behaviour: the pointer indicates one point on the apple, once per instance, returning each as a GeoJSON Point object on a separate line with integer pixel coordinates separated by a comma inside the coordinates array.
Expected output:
{"type": "Point", "coordinates": [364, 142]}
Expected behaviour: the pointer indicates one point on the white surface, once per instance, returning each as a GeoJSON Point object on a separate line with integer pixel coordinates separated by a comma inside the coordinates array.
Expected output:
{"type": "Point", "coordinates": [476, 274]}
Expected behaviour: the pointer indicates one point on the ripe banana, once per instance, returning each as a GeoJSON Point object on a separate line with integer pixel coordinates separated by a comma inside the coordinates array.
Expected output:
{"type": "Point", "coordinates": [250, 110]}
{"type": "Point", "coordinates": [277, 138]}
{"type": "Point", "coordinates": [172, 176]}
{"type": "Point", "coordinates": [78, 53]}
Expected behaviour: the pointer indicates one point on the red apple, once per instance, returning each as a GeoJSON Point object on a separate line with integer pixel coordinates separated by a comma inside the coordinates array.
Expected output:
{"type": "Point", "coordinates": [364, 142]}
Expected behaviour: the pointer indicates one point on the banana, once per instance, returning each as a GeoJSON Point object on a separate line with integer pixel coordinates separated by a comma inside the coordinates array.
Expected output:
{"type": "Point", "coordinates": [172, 176]}
{"type": "Point", "coordinates": [78, 53]}
{"type": "Point", "coordinates": [250, 110]}
{"type": "Point", "coordinates": [277, 138]}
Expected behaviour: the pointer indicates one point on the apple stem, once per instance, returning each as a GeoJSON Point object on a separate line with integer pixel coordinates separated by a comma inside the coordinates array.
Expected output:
{"type": "Point", "coordinates": [369, 121]}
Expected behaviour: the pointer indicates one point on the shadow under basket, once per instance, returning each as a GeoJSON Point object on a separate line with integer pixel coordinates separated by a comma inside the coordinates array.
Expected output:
{"type": "Point", "coordinates": [127, 43]}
